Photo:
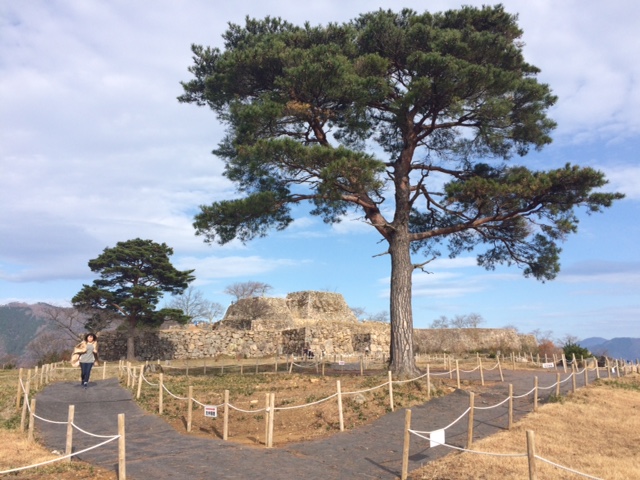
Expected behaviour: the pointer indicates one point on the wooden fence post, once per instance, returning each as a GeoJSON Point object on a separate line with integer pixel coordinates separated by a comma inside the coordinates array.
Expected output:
{"type": "Point", "coordinates": [586, 376]}
{"type": "Point", "coordinates": [428, 383]}
{"type": "Point", "coordinates": [225, 426]}
{"type": "Point", "coordinates": [341, 416]}
{"type": "Point", "coordinates": [407, 444]}
{"type": "Point", "coordinates": [122, 456]}
{"type": "Point", "coordinates": [19, 394]}
{"type": "Point", "coordinates": [470, 427]}
{"type": "Point", "coordinates": [558, 385]}
{"type": "Point", "coordinates": [190, 408]}
{"type": "Point", "coordinates": [267, 403]}
{"type": "Point", "coordinates": [25, 405]}
{"type": "Point", "coordinates": [510, 406]}
{"type": "Point", "coordinates": [535, 394]}
{"type": "Point", "coordinates": [69, 444]}
{"type": "Point", "coordinates": [458, 373]}
{"type": "Point", "coordinates": [531, 455]}
{"type": "Point", "coordinates": [35, 378]}
{"type": "Point", "coordinates": [42, 375]}
{"type": "Point", "coordinates": [391, 391]}
{"type": "Point", "coordinates": [31, 419]}
{"type": "Point", "coordinates": [160, 392]}
{"type": "Point", "coordinates": [500, 370]}
{"type": "Point", "coordinates": [139, 391]}
{"type": "Point", "coordinates": [272, 414]}
{"type": "Point", "coordinates": [564, 363]}
{"type": "Point", "coordinates": [481, 372]}
{"type": "Point", "coordinates": [573, 377]}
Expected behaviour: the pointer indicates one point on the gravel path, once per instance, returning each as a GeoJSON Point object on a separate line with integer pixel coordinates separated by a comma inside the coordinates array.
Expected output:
{"type": "Point", "coordinates": [155, 450]}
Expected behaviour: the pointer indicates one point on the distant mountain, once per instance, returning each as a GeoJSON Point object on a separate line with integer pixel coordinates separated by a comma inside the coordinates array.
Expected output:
{"type": "Point", "coordinates": [18, 326]}
{"type": "Point", "coordinates": [625, 347]}
{"type": "Point", "coordinates": [592, 342]}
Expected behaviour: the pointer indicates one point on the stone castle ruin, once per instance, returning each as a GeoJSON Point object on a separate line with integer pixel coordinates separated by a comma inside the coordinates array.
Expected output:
{"type": "Point", "coordinates": [319, 321]}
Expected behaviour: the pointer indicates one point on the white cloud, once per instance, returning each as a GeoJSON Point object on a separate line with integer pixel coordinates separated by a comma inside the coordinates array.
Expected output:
{"type": "Point", "coordinates": [624, 179]}
{"type": "Point", "coordinates": [211, 268]}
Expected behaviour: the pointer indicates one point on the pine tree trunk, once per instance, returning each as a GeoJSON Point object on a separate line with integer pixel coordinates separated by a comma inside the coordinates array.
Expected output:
{"type": "Point", "coordinates": [131, 351]}
{"type": "Point", "coordinates": [402, 359]}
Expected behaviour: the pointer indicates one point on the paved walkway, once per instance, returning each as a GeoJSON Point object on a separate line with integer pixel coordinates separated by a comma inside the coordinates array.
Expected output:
{"type": "Point", "coordinates": [155, 450]}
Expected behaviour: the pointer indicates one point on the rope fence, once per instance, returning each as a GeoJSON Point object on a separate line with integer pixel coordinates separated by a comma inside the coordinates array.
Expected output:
{"type": "Point", "coordinates": [134, 377]}
{"type": "Point", "coordinates": [29, 405]}
{"type": "Point", "coordinates": [427, 435]}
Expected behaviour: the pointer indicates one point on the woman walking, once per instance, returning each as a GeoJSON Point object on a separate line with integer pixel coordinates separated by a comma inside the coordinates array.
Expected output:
{"type": "Point", "coordinates": [88, 355]}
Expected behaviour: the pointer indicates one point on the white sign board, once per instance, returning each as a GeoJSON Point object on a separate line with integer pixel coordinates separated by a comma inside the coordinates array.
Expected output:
{"type": "Point", "coordinates": [341, 362]}
{"type": "Point", "coordinates": [548, 365]}
{"type": "Point", "coordinates": [436, 438]}
{"type": "Point", "coordinates": [211, 411]}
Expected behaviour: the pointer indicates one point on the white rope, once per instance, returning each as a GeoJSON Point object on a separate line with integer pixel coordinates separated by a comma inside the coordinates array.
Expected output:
{"type": "Point", "coordinates": [246, 411]}
{"type": "Point", "coordinates": [561, 467]}
{"type": "Point", "coordinates": [367, 390]}
{"type": "Point", "coordinates": [469, 371]}
{"type": "Point", "coordinates": [207, 405]}
{"type": "Point", "coordinates": [571, 375]}
{"type": "Point", "coordinates": [307, 404]}
{"type": "Point", "coordinates": [510, 455]}
{"type": "Point", "coordinates": [174, 396]}
{"type": "Point", "coordinates": [524, 394]}
{"type": "Point", "coordinates": [492, 368]}
{"type": "Point", "coordinates": [412, 379]}
{"type": "Point", "coordinates": [549, 387]}
{"type": "Point", "coordinates": [492, 406]}
{"type": "Point", "coordinates": [89, 433]}
{"type": "Point", "coordinates": [49, 421]}
{"type": "Point", "coordinates": [60, 458]}
{"type": "Point", "coordinates": [442, 373]}
{"type": "Point", "coordinates": [148, 382]}
{"type": "Point", "coordinates": [448, 426]}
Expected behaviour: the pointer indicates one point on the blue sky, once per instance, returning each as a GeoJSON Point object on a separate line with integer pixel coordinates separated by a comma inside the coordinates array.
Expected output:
{"type": "Point", "coordinates": [95, 149]}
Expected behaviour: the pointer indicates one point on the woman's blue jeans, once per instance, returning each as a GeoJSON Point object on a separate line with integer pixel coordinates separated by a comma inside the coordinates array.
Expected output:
{"type": "Point", "coordinates": [85, 369]}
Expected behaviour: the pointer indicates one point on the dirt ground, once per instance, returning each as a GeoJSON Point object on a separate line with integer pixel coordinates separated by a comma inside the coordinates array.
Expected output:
{"type": "Point", "coordinates": [248, 392]}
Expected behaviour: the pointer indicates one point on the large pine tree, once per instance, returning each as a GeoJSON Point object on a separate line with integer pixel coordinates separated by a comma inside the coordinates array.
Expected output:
{"type": "Point", "coordinates": [409, 118]}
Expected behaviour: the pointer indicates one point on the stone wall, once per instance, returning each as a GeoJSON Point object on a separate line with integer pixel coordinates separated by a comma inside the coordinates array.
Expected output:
{"type": "Point", "coordinates": [298, 309]}
{"type": "Point", "coordinates": [460, 340]}
{"type": "Point", "coordinates": [329, 338]}
{"type": "Point", "coordinates": [260, 326]}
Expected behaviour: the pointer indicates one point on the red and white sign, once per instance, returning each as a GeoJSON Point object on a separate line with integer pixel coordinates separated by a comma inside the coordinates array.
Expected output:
{"type": "Point", "coordinates": [211, 411]}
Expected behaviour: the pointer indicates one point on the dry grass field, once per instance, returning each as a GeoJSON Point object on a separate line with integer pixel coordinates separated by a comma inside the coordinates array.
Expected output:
{"type": "Point", "coordinates": [595, 431]}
